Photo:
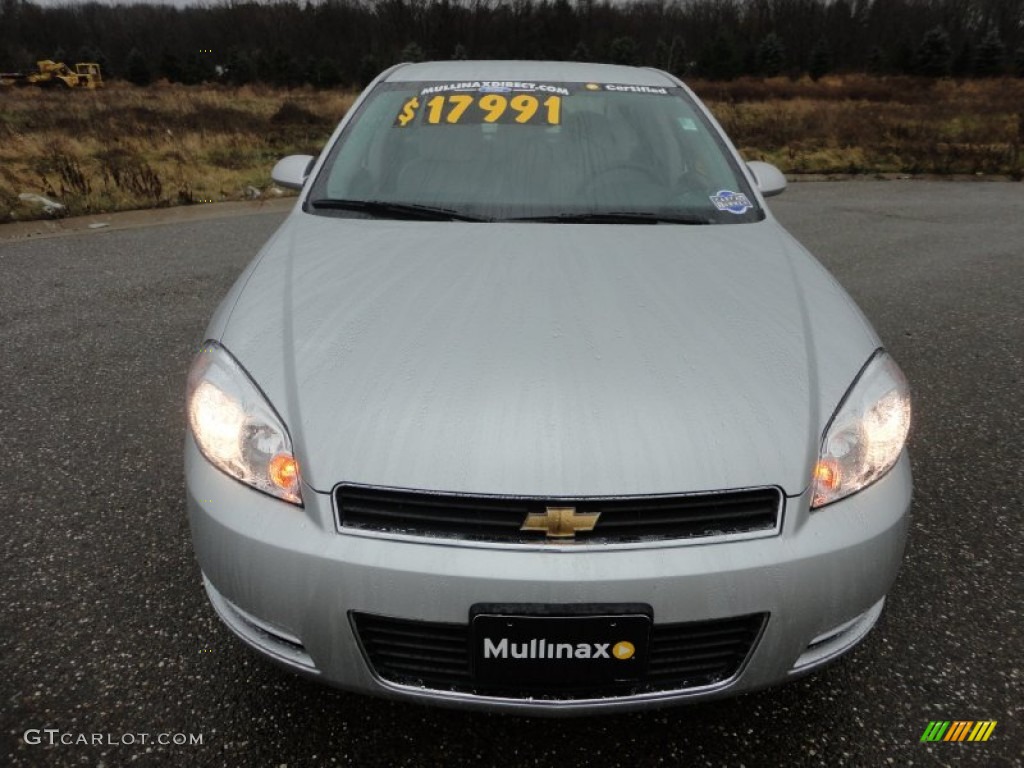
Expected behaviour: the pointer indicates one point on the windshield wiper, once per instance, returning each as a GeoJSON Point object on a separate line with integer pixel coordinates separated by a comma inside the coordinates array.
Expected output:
{"type": "Point", "coordinates": [619, 217]}
{"type": "Point", "coordinates": [387, 210]}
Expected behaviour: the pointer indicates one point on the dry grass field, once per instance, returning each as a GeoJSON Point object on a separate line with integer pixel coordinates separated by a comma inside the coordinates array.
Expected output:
{"type": "Point", "coordinates": [125, 147]}
{"type": "Point", "coordinates": [858, 124]}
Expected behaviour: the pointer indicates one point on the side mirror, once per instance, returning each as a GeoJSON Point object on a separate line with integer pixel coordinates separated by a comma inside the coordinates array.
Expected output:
{"type": "Point", "coordinates": [769, 179]}
{"type": "Point", "coordinates": [292, 171]}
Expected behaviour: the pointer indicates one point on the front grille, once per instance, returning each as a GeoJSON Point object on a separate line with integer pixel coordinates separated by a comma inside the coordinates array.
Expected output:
{"type": "Point", "coordinates": [438, 656]}
{"type": "Point", "coordinates": [500, 518]}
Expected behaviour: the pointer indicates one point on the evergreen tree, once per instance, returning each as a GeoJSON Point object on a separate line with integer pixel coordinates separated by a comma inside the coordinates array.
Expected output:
{"type": "Point", "coordinates": [623, 50]}
{"type": "Point", "coordinates": [581, 52]}
{"type": "Point", "coordinates": [460, 53]}
{"type": "Point", "coordinates": [719, 60]}
{"type": "Point", "coordinates": [1018, 62]}
{"type": "Point", "coordinates": [241, 69]}
{"type": "Point", "coordinates": [677, 63]}
{"type": "Point", "coordinates": [264, 66]}
{"type": "Point", "coordinates": [903, 58]}
{"type": "Point", "coordinates": [198, 69]}
{"type": "Point", "coordinates": [279, 67]}
{"type": "Point", "coordinates": [369, 68]}
{"type": "Point", "coordinates": [990, 60]}
{"type": "Point", "coordinates": [821, 59]}
{"type": "Point", "coordinates": [723, 37]}
{"type": "Point", "coordinates": [309, 72]}
{"type": "Point", "coordinates": [170, 67]}
{"type": "Point", "coordinates": [934, 54]}
{"type": "Point", "coordinates": [963, 62]}
{"type": "Point", "coordinates": [876, 61]}
{"type": "Point", "coordinates": [771, 55]}
{"type": "Point", "coordinates": [412, 52]}
{"type": "Point", "coordinates": [137, 68]}
{"type": "Point", "coordinates": [661, 55]}
{"type": "Point", "coordinates": [288, 69]}
{"type": "Point", "coordinates": [327, 73]}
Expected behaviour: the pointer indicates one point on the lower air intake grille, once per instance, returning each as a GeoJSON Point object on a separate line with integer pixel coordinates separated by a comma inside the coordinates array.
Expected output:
{"type": "Point", "coordinates": [501, 518]}
{"type": "Point", "coordinates": [437, 656]}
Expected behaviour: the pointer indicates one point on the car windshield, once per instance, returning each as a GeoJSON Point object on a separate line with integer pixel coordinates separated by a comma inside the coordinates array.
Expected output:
{"type": "Point", "coordinates": [560, 152]}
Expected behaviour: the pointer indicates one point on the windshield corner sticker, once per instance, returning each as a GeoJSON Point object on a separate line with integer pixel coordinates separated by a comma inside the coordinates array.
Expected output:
{"type": "Point", "coordinates": [733, 202]}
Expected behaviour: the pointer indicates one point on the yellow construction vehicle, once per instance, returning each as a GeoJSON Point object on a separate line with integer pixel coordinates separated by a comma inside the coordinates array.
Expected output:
{"type": "Point", "coordinates": [57, 73]}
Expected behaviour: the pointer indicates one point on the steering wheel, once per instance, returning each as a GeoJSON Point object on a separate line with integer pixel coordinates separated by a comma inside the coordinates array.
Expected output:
{"type": "Point", "coordinates": [643, 170]}
{"type": "Point", "coordinates": [694, 186]}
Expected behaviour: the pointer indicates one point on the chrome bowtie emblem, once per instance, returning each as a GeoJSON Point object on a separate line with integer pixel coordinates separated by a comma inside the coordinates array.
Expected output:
{"type": "Point", "coordinates": [560, 522]}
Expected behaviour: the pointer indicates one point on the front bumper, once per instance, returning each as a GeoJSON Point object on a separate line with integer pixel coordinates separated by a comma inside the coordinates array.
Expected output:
{"type": "Point", "coordinates": [285, 581]}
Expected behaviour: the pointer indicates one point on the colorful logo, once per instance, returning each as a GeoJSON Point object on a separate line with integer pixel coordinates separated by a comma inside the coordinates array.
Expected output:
{"type": "Point", "coordinates": [733, 202]}
{"type": "Point", "coordinates": [958, 730]}
{"type": "Point", "coordinates": [623, 650]}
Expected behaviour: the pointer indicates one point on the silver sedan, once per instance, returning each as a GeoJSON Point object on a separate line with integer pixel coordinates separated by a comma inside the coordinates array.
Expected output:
{"type": "Point", "coordinates": [532, 405]}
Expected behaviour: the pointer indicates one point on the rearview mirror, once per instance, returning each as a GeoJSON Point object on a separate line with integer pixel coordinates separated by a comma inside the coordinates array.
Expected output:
{"type": "Point", "coordinates": [291, 171]}
{"type": "Point", "coordinates": [770, 179]}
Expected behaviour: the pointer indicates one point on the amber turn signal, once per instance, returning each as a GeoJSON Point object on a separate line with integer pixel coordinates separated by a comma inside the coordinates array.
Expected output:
{"type": "Point", "coordinates": [284, 471]}
{"type": "Point", "coordinates": [827, 474]}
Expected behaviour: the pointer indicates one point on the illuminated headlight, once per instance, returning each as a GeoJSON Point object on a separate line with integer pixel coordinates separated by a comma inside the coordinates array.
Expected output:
{"type": "Point", "coordinates": [236, 428]}
{"type": "Point", "coordinates": [866, 436]}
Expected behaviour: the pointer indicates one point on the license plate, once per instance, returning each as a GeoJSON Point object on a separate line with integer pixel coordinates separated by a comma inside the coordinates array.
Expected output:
{"type": "Point", "coordinates": [545, 652]}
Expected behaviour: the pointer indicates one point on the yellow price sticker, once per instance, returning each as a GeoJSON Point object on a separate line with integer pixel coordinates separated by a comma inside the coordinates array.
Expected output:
{"type": "Point", "coordinates": [460, 108]}
{"type": "Point", "coordinates": [408, 112]}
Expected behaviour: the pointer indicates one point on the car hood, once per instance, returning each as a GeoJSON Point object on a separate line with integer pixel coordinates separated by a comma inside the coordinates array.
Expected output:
{"type": "Point", "coordinates": [546, 359]}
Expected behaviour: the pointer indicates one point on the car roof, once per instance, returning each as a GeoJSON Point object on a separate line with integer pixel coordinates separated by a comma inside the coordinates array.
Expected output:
{"type": "Point", "coordinates": [552, 71]}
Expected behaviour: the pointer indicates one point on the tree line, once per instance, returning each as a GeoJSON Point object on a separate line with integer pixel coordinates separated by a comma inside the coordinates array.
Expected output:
{"type": "Point", "coordinates": [346, 42]}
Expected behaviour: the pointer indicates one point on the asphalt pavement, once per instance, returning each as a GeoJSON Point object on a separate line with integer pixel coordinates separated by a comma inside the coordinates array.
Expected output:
{"type": "Point", "coordinates": [106, 636]}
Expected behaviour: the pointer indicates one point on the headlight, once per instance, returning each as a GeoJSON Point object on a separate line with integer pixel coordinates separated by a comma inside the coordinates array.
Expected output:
{"type": "Point", "coordinates": [867, 433]}
{"type": "Point", "coordinates": [236, 428]}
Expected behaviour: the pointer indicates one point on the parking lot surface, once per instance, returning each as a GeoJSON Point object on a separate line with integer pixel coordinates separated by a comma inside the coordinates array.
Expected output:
{"type": "Point", "coordinates": [105, 629]}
